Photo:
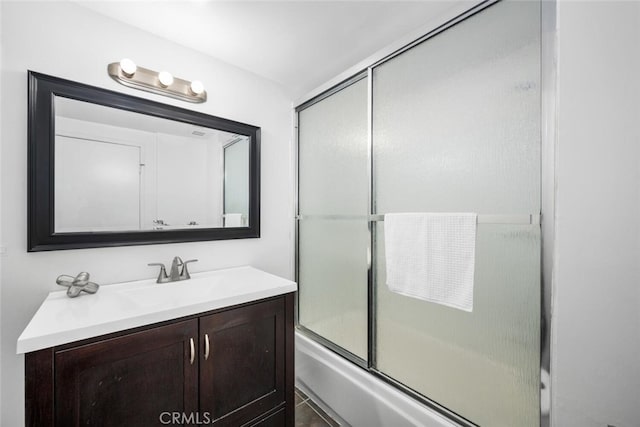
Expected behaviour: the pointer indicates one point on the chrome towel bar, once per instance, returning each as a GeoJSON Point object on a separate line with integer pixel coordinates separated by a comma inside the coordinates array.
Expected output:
{"type": "Point", "coordinates": [523, 219]}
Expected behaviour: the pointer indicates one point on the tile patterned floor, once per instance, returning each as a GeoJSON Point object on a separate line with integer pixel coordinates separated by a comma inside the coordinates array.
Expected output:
{"type": "Point", "coordinates": [308, 414]}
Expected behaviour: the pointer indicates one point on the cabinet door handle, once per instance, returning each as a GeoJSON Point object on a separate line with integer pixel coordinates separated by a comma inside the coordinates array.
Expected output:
{"type": "Point", "coordinates": [193, 351]}
{"type": "Point", "coordinates": [206, 346]}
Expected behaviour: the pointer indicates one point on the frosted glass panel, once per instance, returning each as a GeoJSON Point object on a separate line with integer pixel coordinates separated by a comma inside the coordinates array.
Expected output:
{"type": "Point", "coordinates": [456, 128]}
{"type": "Point", "coordinates": [332, 255]}
{"type": "Point", "coordinates": [457, 118]}
{"type": "Point", "coordinates": [482, 365]}
{"type": "Point", "coordinates": [333, 281]}
{"type": "Point", "coordinates": [333, 154]}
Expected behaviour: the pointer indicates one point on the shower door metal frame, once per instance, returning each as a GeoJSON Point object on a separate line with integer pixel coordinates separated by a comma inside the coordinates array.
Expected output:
{"type": "Point", "coordinates": [297, 217]}
{"type": "Point", "coordinates": [546, 219]}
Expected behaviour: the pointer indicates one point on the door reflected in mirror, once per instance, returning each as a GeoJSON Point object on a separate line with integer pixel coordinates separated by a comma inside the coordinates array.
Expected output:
{"type": "Point", "coordinates": [118, 170]}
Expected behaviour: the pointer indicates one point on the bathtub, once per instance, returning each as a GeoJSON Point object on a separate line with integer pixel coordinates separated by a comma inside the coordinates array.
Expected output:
{"type": "Point", "coordinates": [353, 396]}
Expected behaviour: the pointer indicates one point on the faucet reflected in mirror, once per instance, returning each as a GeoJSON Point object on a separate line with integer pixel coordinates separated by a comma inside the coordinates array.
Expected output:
{"type": "Point", "coordinates": [178, 270]}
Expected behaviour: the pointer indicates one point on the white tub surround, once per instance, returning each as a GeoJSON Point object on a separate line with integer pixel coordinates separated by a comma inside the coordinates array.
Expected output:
{"type": "Point", "coordinates": [122, 306]}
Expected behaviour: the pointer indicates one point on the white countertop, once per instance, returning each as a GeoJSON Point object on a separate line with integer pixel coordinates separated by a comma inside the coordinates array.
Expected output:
{"type": "Point", "coordinates": [117, 307]}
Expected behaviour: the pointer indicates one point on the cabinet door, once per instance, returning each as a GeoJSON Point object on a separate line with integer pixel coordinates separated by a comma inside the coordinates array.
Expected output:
{"type": "Point", "coordinates": [244, 373]}
{"type": "Point", "coordinates": [129, 380]}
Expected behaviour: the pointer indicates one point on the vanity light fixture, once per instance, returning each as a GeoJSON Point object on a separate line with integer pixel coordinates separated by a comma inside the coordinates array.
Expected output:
{"type": "Point", "coordinates": [126, 72]}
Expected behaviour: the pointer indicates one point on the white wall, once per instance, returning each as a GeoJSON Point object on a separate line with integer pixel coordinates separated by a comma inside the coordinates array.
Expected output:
{"type": "Point", "coordinates": [596, 325]}
{"type": "Point", "coordinates": [183, 168]}
{"type": "Point", "coordinates": [69, 41]}
{"type": "Point", "coordinates": [1, 143]}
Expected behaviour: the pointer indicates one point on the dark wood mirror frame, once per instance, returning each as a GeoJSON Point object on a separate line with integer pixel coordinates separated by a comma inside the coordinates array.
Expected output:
{"type": "Point", "coordinates": [41, 233]}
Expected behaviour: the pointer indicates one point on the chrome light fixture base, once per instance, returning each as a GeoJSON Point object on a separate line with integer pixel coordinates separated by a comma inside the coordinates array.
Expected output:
{"type": "Point", "coordinates": [149, 80]}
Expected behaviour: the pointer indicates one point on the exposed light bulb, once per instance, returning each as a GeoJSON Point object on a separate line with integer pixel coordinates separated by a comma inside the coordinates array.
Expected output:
{"type": "Point", "coordinates": [165, 78]}
{"type": "Point", "coordinates": [197, 87]}
{"type": "Point", "coordinates": [128, 67]}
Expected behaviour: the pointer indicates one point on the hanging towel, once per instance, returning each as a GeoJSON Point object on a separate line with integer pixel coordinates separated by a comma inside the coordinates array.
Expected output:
{"type": "Point", "coordinates": [431, 256]}
{"type": "Point", "coordinates": [233, 220]}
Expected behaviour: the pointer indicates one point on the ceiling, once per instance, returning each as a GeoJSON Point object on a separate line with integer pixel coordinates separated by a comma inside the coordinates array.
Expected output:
{"type": "Point", "coordinates": [298, 44]}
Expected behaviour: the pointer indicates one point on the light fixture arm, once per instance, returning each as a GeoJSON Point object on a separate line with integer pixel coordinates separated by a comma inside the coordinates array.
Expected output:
{"type": "Point", "coordinates": [146, 79]}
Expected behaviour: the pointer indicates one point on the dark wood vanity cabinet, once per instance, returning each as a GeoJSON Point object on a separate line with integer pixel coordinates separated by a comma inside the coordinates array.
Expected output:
{"type": "Point", "coordinates": [240, 373]}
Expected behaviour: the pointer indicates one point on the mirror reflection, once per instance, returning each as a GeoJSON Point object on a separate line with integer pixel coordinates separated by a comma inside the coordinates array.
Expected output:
{"type": "Point", "coordinates": [117, 170]}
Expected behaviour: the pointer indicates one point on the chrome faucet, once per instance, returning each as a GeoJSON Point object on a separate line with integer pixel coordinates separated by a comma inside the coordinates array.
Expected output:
{"type": "Point", "coordinates": [176, 274]}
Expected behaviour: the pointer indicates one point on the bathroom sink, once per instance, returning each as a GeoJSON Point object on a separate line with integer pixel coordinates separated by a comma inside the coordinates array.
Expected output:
{"type": "Point", "coordinates": [121, 306]}
{"type": "Point", "coordinates": [207, 286]}
{"type": "Point", "coordinates": [177, 293]}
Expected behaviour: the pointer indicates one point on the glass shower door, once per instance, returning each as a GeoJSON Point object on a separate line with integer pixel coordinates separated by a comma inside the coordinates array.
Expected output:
{"type": "Point", "coordinates": [456, 128]}
{"type": "Point", "coordinates": [333, 234]}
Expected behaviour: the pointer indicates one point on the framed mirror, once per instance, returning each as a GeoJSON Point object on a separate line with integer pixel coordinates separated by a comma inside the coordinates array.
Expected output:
{"type": "Point", "coordinates": [109, 169]}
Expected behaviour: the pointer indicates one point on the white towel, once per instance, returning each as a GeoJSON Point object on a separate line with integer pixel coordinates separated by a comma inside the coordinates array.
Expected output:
{"type": "Point", "coordinates": [431, 256]}
{"type": "Point", "coordinates": [233, 220]}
